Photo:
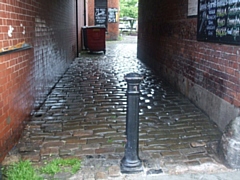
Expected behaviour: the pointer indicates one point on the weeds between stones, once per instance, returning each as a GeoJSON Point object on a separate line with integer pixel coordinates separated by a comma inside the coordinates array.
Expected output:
{"type": "Point", "coordinates": [24, 170]}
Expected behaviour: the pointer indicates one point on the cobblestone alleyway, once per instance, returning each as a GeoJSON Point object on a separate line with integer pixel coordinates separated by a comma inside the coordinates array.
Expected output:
{"type": "Point", "coordinates": [85, 114]}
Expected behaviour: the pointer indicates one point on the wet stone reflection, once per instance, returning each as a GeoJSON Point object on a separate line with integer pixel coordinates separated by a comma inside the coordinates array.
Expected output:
{"type": "Point", "coordinates": [85, 116]}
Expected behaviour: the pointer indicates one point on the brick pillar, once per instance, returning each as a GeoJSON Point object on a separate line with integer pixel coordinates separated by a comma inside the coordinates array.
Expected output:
{"type": "Point", "coordinates": [90, 6]}
{"type": "Point", "coordinates": [113, 27]}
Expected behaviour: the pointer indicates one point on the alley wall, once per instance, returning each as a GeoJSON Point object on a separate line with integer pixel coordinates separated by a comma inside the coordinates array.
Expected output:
{"type": "Point", "coordinates": [207, 73]}
{"type": "Point", "coordinates": [37, 43]}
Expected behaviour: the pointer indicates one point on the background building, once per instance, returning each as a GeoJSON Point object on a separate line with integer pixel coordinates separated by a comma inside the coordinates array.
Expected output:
{"type": "Point", "coordinates": [104, 13]}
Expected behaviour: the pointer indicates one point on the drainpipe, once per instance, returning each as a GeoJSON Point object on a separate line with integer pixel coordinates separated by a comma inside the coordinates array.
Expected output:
{"type": "Point", "coordinates": [77, 25]}
{"type": "Point", "coordinates": [84, 13]}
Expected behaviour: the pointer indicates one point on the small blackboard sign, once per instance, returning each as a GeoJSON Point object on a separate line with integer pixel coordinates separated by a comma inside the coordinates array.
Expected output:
{"type": "Point", "coordinates": [101, 17]}
{"type": "Point", "coordinates": [219, 21]}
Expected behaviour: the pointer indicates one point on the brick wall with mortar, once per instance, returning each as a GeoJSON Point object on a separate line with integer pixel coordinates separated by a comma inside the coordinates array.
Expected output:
{"type": "Point", "coordinates": [27, 76]}
{"type": "Point", "coordinates": [112, 31]}
{"type": "Point", "coordinates": [91, 5]}
{"type": "Point", "coordinates": [208, 73]}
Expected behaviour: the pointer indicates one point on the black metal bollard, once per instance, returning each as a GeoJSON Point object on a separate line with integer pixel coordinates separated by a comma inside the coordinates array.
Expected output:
{"type": "Point", "coordinates": [131, 162]}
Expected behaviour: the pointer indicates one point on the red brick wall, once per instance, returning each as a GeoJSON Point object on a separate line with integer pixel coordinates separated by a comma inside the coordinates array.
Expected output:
{"type": "Point", "coordinates": [27, 76]}
{"type": "Point", "coordinates": [113, 30]}
{"type": "Point", "coordinates": [91, 5]}
{"type": "Point", "coordinates": [167, 41]}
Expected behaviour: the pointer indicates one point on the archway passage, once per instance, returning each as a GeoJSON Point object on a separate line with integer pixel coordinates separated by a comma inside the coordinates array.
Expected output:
{"type": "Point", "coordinates": [85, 116]}
{"type": "Point", "coordinates": [39, 42]}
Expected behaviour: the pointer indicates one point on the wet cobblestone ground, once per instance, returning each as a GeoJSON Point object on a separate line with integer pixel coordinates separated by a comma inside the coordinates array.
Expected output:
{"type": "Point", "coordinates": [85, 114]}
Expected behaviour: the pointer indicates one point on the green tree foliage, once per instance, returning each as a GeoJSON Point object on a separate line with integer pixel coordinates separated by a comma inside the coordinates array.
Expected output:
{"type": "Point", "coordinates": [129, 8]}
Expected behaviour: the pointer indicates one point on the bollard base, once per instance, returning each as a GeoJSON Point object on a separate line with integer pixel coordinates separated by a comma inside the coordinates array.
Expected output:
{"type": "Point", "coordinates": [131, 168]}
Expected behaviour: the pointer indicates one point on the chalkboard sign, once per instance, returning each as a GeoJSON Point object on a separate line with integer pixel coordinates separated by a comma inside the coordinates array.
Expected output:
{"type": "Point", "coordinates": [101, 17]}
{"type": "Point", "coordinates": [219, 21]}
